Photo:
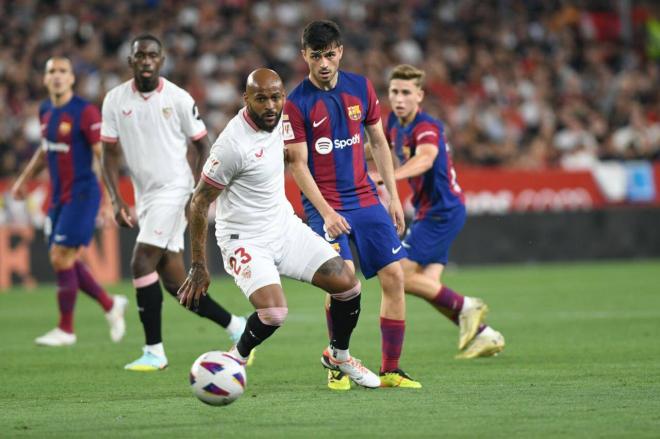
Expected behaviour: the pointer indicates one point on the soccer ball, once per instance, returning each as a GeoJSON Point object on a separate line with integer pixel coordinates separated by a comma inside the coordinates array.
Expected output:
{"type": "Point", "coordinates": [217, 378]}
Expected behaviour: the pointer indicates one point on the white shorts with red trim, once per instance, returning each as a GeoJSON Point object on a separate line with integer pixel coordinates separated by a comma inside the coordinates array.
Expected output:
{"type": "Point", "coordinates": [163, 225]}
{"type": "Point", "coordinates": [295, 252]}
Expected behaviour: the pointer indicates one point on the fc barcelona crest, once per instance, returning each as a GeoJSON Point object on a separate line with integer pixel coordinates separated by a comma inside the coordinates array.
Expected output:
{"type": "Point", "coordinates": [64, 128]}
{"type": "Point", "coordinates": [167, 112]}
{"type": "Point", "coordinates": [354, 112]}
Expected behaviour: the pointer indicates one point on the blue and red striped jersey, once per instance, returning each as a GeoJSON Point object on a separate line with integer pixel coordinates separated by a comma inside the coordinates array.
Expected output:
{"type": "Point", "coordinates": [332, 123]}
{"type": "Point", "coordinates": [436, 191]}
{"type": "Point", "coordinates": [68, 133]}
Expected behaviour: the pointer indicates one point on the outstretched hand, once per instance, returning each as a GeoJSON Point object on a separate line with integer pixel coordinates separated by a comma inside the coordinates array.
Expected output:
{"type": "Point", "coordinates": [195, 286]}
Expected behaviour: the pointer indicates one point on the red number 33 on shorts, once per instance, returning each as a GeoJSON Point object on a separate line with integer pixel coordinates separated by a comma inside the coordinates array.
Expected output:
{"type": "Point", "coordinates": [243, 258]}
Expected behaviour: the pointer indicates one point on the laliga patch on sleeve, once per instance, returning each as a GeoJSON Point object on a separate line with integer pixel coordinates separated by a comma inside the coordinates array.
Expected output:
{"type": "Point", "coordinates": [211, 165]}
{"type": "Point", "coordinates": [287, 131]}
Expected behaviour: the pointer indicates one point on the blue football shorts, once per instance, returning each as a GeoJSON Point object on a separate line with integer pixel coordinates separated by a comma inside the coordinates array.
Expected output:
{"type": "Point", "coordinates": [372, 232]}
{"type": "Point", "coordinates": [428, 240]}
{"type": "Point", "coordinates": [72, 224]}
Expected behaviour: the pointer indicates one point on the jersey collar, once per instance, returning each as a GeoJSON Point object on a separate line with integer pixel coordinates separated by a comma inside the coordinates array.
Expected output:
{"type": "Point", "coordinates": [249, 120]}
{"type": "Point", "coordinates": [161, 84]}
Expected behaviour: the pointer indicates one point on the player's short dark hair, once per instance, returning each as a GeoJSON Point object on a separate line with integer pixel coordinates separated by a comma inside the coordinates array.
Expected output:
{"type": "Point", "coordinates": [407, 73]}
{"type": "Point", "coordinates": [146, 37]}
{"type": "Point", "coordinates": [321, 34]}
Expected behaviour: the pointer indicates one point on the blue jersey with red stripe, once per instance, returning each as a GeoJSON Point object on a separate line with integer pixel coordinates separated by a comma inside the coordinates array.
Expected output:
{"type": "Point", "coordinates": [436, 191]}
{"type": "Point", "coordinates": [332, 123]}
{"type": "Point", "coordinates": [68, 133]}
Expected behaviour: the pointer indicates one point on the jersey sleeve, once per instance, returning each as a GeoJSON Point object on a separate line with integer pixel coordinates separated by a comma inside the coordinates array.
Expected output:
{"type": "Point", "coordinates": [426, 132]}
{"type": "Point", "coordinates": [90, 124]}
{"type": "Point", "coordinates": [293, 124]}
{"type": "Point", "coordinates": [373, 110]}
{"type": "Point", "coordinates": [109, 127]}
{"type": "Point", "coordinates": [224, 162]}
{"type": "Point", "coordinates": [388, 124]}
{"type": "Point", "coordinates": [191, 122]}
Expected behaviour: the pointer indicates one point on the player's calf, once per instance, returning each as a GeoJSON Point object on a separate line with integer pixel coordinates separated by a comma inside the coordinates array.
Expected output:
{"type": "Point", "coordinates": [260, 325]}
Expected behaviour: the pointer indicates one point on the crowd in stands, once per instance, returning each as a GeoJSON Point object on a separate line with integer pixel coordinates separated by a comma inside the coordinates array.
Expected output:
{"type": "Point", "coordinates": [519, 83]}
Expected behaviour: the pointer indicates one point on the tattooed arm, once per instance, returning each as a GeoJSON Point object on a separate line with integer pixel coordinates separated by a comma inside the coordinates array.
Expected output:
{"type": "Point", "coordinates": [198, 280]}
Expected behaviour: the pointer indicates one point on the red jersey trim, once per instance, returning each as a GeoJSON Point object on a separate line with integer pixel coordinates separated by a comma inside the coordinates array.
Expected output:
{"type": "Point", "coordinates": [249, 120]}
{"type": "Point", "coordinates": [161, 85]}
{"type": "Point", "coordinates": [213, 183]}
{"type": "Point", "coordinates": [199, 135]}
{"type": "Point", "coordinates": [109, 139]}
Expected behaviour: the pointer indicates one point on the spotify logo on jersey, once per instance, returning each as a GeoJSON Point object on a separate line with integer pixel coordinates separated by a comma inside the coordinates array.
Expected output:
{"type": "Point", "coordinates": [323, 145]}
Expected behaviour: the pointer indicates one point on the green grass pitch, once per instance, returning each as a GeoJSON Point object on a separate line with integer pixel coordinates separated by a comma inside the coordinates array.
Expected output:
{"type": "Point", "coordinates": [582, 360]}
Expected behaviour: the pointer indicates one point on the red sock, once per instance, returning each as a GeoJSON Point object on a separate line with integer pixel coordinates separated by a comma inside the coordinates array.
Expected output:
{"type": "Point", "coordinates": [90, 287]}
{"type": "Point", "coordinates": [392, 342]}
{"type": "Point", "coordinates": [67, 289]}
{"type": "Point", "coordinates": [449, 303]}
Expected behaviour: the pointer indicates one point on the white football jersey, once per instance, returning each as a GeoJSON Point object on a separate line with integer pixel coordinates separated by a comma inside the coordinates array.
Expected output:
{"type": "Point", "coordinates": [248, 164]}
{"type": "Point", "coordinates": [153, 129]}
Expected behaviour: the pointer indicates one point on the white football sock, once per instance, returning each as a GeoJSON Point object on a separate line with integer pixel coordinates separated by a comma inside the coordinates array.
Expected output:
{"type": "Point", "coordinates": [234, 325]}
{"type": "Point", "coordinates": [156, 349]}
{"type": "Point", "coordinates": [340, 354]}
{"type": "Point", "coordinates": [468, 303]}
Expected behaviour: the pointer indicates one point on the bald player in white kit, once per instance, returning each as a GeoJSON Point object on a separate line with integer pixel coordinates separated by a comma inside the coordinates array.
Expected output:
{"type": "Point", "coordinates": [259, 235]}
{"type": "Point", "coordinates": [151, 120]}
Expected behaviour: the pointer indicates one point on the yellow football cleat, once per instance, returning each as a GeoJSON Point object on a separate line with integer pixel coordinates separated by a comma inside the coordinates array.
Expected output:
{"type": "Point", "coordinates": [148, 362]}
{"type": "Point", "coordinates": [338, 380]}
{"type": "Point", "coordinates": [486, 344]}
{"type": "Point", "coordinates": [398, 378]}
{"type": "Point", "coordinates": [469, 320]}
{"type": "Point", "coordinates": [250, 359]}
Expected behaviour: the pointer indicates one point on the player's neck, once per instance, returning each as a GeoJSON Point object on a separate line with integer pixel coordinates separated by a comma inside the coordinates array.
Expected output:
{"type": "Point", "coordinates": [147, 86]}
{"type": "Point", "coordinates": [60, 100]}
{"type": "Point", "coordinates": [406, 120]}
{"type": "Point", "coordinates": [325, 86]}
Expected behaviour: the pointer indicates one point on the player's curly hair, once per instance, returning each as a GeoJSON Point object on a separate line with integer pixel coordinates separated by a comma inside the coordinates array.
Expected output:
{"type": "Point", "coordinates": [321, 34]}
{"type": "Point", "coordinates": [407, 72]}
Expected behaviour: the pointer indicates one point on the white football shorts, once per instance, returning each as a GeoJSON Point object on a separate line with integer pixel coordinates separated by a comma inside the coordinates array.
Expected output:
{"type": "Point", "coordinates": [296, 252]}
{"type": "Point", "coordinates": [163, 225]}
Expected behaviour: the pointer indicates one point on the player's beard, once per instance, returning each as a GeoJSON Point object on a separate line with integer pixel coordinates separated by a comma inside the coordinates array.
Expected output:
{"type": "Point", "coordinates": [146, 85]}
{"type": "Point", "coordinates": [261, 123]}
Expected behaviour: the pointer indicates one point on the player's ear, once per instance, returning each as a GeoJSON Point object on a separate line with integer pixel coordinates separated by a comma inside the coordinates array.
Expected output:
{"type": "Point", "coordinates": [245, 97]}
{"type": "Point", "coordinates": [420, 95]}
{"type": "Point", "coordinates": [340, 51]}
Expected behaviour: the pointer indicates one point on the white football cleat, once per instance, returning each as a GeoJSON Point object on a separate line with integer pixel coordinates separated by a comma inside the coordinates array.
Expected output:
{"type": "Point", "coordinates": [56, 337]}
{"type": "Point", "coordinates": [469, 320]}
{"type": "Point", "coordinates": [352, 367]}
{"type": "Point", "coordinates": [490, 342]}
{"type": "Point", "coordinates": [115, 318]}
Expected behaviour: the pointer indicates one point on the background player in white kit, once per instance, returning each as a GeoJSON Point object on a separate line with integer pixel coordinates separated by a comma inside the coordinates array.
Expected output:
{"type": "Point", "coordinates": [259, 235]}
{"type": "Point", "coordinates": [153, 119]}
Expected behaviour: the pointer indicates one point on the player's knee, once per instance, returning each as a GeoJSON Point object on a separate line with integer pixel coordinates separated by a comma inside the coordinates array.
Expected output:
{"type": "Point", "coordinates": [349, 294]}
{"type": "Point", "coordinates": [60, 260]}
{"type": "Point", "coordinates": [273, 316]}
{"type": "Point", "coordinates": [140, 266]}
{"type": "Point", "coordinates": [392, 279]}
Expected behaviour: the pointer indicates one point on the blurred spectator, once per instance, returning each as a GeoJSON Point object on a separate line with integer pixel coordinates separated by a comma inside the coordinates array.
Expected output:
{"type": "Point", "coordinates": [526, 84]}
